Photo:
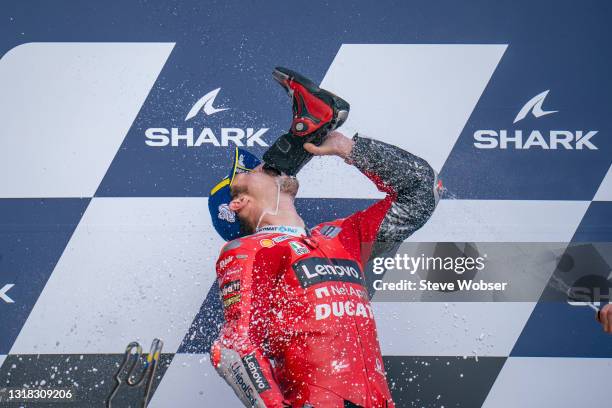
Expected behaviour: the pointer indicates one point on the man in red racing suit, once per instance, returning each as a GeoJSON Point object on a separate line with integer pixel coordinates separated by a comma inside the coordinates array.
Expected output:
{"type": "Point", "coordinates": [299, 328]}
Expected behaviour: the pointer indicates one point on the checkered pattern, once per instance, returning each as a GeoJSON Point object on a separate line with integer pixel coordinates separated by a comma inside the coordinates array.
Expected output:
{"type": "Point", "coordinates": [116, 254]}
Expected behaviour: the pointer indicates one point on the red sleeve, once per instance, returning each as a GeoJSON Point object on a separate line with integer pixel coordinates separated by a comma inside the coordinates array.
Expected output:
{"type": "Point", "coordinates": [359, 231]}
{"type": "Point", "coordinates": [412, 195]}
{"type": "Point", "coordinates": [238, 354]}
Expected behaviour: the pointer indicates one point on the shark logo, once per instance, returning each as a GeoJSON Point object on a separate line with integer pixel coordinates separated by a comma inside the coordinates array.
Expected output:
{"type": "Point", "coordinates": [535, 107]}
{"type": "Point", "coordinates": [205, 104]}
{"type": "Point", "coordinates": [544, 139]}
{"type": "Point", "coordinates": [199, 137]}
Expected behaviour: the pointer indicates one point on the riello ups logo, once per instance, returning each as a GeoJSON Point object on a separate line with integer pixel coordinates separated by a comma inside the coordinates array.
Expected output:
{"type": "Point", "coordinates": [524, 139]}
{"type": "Point", "coordinates": [206, 136]}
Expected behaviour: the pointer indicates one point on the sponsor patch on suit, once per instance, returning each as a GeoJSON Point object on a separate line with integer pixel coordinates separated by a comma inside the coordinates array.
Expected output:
{"type": "Point", "coordinates": [311, 271]}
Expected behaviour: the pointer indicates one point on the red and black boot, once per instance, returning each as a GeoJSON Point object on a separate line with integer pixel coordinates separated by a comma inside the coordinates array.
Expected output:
{"type": "Point", "coordinates": [316, 112]}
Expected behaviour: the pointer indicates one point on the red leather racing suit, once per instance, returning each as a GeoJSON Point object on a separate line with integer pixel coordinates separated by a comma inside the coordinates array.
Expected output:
{"type": "Point", "coordinates": [299, 328]}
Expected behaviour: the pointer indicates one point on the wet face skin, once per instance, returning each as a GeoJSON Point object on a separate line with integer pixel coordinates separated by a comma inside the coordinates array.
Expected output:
{"type": "Point", "coordinates": [255, 192]}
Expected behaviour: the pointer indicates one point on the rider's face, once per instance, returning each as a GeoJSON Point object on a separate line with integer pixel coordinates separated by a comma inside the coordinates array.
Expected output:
{"type": "Point", "coordinates": [256, 191]}
{"type": "Point", "coordinates": [259, 185]}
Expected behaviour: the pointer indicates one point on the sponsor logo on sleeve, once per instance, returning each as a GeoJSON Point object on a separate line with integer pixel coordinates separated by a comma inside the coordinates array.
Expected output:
{"type": "Point", "coordinates": [246, 388]}
{"type": "Point", "coordinates": [255, 373]}
{"type": "Point", "coordinates": [232, 272]}
{"type": "Point", "coordinates": [230, 293]}
{"type": "Point", "coordinates": [266, 243]}
{"type": "Point", "coordinates": [225, 261]}
{"type": "Point", "coordinates": [330, 231]}
{"type": "Point", "coordinates": [299, 248]}
{"type": "Point", "coordinates": [281, 238]}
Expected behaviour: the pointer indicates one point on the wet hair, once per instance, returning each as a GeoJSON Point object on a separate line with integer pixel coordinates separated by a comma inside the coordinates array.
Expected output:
{"type": "Point", "coordinates": [290, 185]}
{"type": "Point", "coordinates": [271, 171]}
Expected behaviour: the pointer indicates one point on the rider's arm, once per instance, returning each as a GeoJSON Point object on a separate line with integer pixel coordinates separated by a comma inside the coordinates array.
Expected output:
{"type": "Point", "coordinates": [238, 354]}
{"type": "Point", "coordinates": [412, 195]}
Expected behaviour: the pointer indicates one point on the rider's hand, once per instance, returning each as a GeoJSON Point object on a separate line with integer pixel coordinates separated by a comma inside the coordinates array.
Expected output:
{"type": "Point", "coordinates": [335, 144]}
{"type": "Point", "coordinates": [604, 316]}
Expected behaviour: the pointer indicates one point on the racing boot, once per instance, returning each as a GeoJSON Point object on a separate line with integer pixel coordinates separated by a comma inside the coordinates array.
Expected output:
{"type": "Point", "coordinates": [316, 112]}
